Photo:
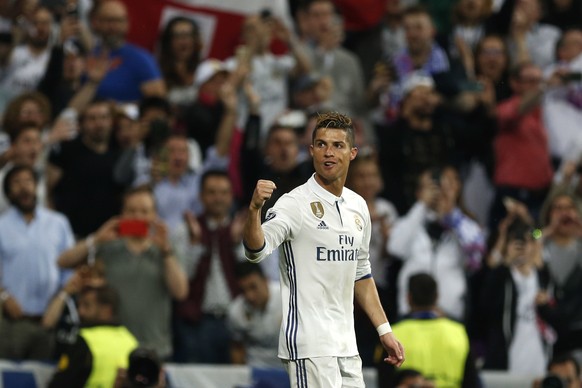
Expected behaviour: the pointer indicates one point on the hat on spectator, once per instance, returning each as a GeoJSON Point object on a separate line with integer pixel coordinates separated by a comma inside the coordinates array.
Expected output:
{"type": "Point", "coordinates": [129, 110]}
{"type": "Point", "coordinates": [414, 80]}
{"type": "Point", "coordinates": [208, 69]}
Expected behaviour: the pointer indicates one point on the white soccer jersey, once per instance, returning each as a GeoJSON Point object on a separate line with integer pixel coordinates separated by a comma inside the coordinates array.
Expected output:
{"type": "Point", "coordinates": [323, 247]}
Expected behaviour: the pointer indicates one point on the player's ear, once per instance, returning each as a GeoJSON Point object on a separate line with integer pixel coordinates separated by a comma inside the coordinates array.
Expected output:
{"type": "Point", "coordinates": [353, 153]}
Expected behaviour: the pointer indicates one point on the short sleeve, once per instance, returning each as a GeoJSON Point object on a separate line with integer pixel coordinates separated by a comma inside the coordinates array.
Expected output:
{"type": "Point", "coordinates": [147, 67]}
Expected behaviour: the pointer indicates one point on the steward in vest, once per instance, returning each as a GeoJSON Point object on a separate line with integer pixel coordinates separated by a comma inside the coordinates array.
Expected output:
{"type": "Point", "coordinates": [102, 346]}
{"type": "Point", "coordinates": [436, 346]}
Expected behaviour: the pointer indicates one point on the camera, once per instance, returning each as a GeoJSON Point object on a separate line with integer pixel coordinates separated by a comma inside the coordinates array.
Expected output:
{"type": "Point", "coordinates": [553, 381]}
{"type": "Point", "coordinates": [144, 368]}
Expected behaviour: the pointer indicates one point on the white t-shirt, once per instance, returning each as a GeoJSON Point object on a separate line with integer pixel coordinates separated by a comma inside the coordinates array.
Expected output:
{"type": "Point", "coordinates": [269, 77]}
{"type": "Point", "coordinates": [25, 70]}
{"type": "Point", "coordinates": [526, 353]}
{"type": "Point", "coordinates": [562, 112]}
{"type": "Point", "coordinates": [323, 245]}
{"type": "Point", "coordinates": [258, 329]}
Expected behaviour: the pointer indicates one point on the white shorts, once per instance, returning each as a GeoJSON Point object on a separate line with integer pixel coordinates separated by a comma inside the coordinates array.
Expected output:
{"type": "Point", "coordinates": [325, 372]}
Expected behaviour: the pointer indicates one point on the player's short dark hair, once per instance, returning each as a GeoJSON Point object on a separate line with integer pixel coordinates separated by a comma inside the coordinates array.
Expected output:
{"type": "Point", "coordinates": [335, 120]}
{"type": "Point", "coordinates": [11, 173]}
{"type": "Point", "coordinates": [246, 268]}
{"type": "Point", "coordinates": [422, 289]}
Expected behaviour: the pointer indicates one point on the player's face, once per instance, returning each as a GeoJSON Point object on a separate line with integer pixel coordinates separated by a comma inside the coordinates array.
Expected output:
{"type": "Point", "coordinates": [332, 153]}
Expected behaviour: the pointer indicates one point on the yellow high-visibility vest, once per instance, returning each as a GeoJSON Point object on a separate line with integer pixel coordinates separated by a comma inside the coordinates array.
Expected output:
{"type": "Point", "coordinates": [438, 348]}
{"type": "Point", "coordinates": [110, 347]}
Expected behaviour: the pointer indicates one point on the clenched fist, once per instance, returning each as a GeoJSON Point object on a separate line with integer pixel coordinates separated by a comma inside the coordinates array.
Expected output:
{"type": "Point", "coordinates": [262, 193]}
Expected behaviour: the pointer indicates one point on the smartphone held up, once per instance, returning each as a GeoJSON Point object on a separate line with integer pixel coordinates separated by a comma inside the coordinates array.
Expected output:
{"type": "Point", "coordinates": [133, 228]}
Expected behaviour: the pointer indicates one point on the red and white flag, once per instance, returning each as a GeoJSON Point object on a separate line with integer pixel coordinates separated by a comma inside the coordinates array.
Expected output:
{"type": "Point", "coordinates": [220, 21]}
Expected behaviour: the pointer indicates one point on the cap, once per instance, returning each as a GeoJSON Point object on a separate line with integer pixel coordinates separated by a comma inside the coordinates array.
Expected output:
{"type": "Point", "coordinates": [129, 110]}
{"type": "Point", "coordinates": [292, 119]}
{"type": "Point", "coordinates": [414, 80]}
{"type": "Point", "coordinates": [208, 69]}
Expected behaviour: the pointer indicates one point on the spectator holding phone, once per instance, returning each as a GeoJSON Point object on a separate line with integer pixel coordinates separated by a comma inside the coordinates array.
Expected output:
{"type": "Point", "coordinates": [515, 333]}
{"type": "Point", "coordinates": [141, 265]}
{"type": "Point", "coordinates": [438, 237]}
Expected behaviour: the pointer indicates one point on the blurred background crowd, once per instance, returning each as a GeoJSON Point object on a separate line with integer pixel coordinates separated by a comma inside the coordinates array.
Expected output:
{"type": "Point", "coordinates": [133, 133]}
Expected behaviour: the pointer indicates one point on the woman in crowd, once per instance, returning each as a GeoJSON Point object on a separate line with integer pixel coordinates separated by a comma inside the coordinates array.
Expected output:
{"type": "Point", "coordinates": [179, 57]}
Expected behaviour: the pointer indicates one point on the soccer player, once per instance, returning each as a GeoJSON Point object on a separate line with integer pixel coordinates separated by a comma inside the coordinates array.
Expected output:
{"type": "Point", "coordinates": [322, 231]}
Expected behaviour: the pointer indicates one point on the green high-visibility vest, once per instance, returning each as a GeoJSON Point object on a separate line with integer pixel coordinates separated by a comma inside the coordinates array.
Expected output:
{"type": "Point", "coordinates": [110, 347]}
{"type": "Point", "coordinates": [438, 348]}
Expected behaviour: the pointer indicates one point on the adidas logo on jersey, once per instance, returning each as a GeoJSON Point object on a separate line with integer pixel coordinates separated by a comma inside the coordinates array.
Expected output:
{"type": "Point", "coordinates": [322, 225]}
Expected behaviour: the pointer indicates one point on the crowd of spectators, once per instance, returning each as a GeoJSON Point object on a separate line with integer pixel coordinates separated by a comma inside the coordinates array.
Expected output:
{"type": "Point", "coordinates": [133, 168]}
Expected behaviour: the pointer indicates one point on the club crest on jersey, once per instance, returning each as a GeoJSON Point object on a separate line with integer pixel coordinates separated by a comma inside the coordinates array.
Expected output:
{"type": "Point", "coordinates": [317, 209]}
{"type": "Point", "coordinates": [359, 225]}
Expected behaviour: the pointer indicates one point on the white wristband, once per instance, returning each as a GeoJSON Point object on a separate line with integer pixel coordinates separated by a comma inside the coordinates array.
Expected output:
{"type": "Point", "coordinates": [384, 329]}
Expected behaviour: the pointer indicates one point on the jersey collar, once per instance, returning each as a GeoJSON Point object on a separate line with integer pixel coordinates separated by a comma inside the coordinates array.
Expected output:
{"type": "Point", "coordinates": [321, 192]}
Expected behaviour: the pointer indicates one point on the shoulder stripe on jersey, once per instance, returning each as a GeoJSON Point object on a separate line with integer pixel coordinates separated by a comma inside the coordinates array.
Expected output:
{"type": "Point", "coordinates": [292, 321]}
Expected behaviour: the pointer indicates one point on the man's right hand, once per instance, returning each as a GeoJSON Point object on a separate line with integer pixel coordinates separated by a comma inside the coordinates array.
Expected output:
{"type": "Point", "coordinates": [262, 193]}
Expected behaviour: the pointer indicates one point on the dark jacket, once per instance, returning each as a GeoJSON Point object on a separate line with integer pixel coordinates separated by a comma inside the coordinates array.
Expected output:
{"type": "Point", "coordinates": [499, 303]}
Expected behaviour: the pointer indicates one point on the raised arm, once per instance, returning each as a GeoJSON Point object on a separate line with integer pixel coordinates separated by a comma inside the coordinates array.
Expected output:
{"type": "Point", "coordinates": [253, 236]}
{"type": "Point", "coordinates": [78, 254]}
{"type": "Point", "coordinates": [174, 276]}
